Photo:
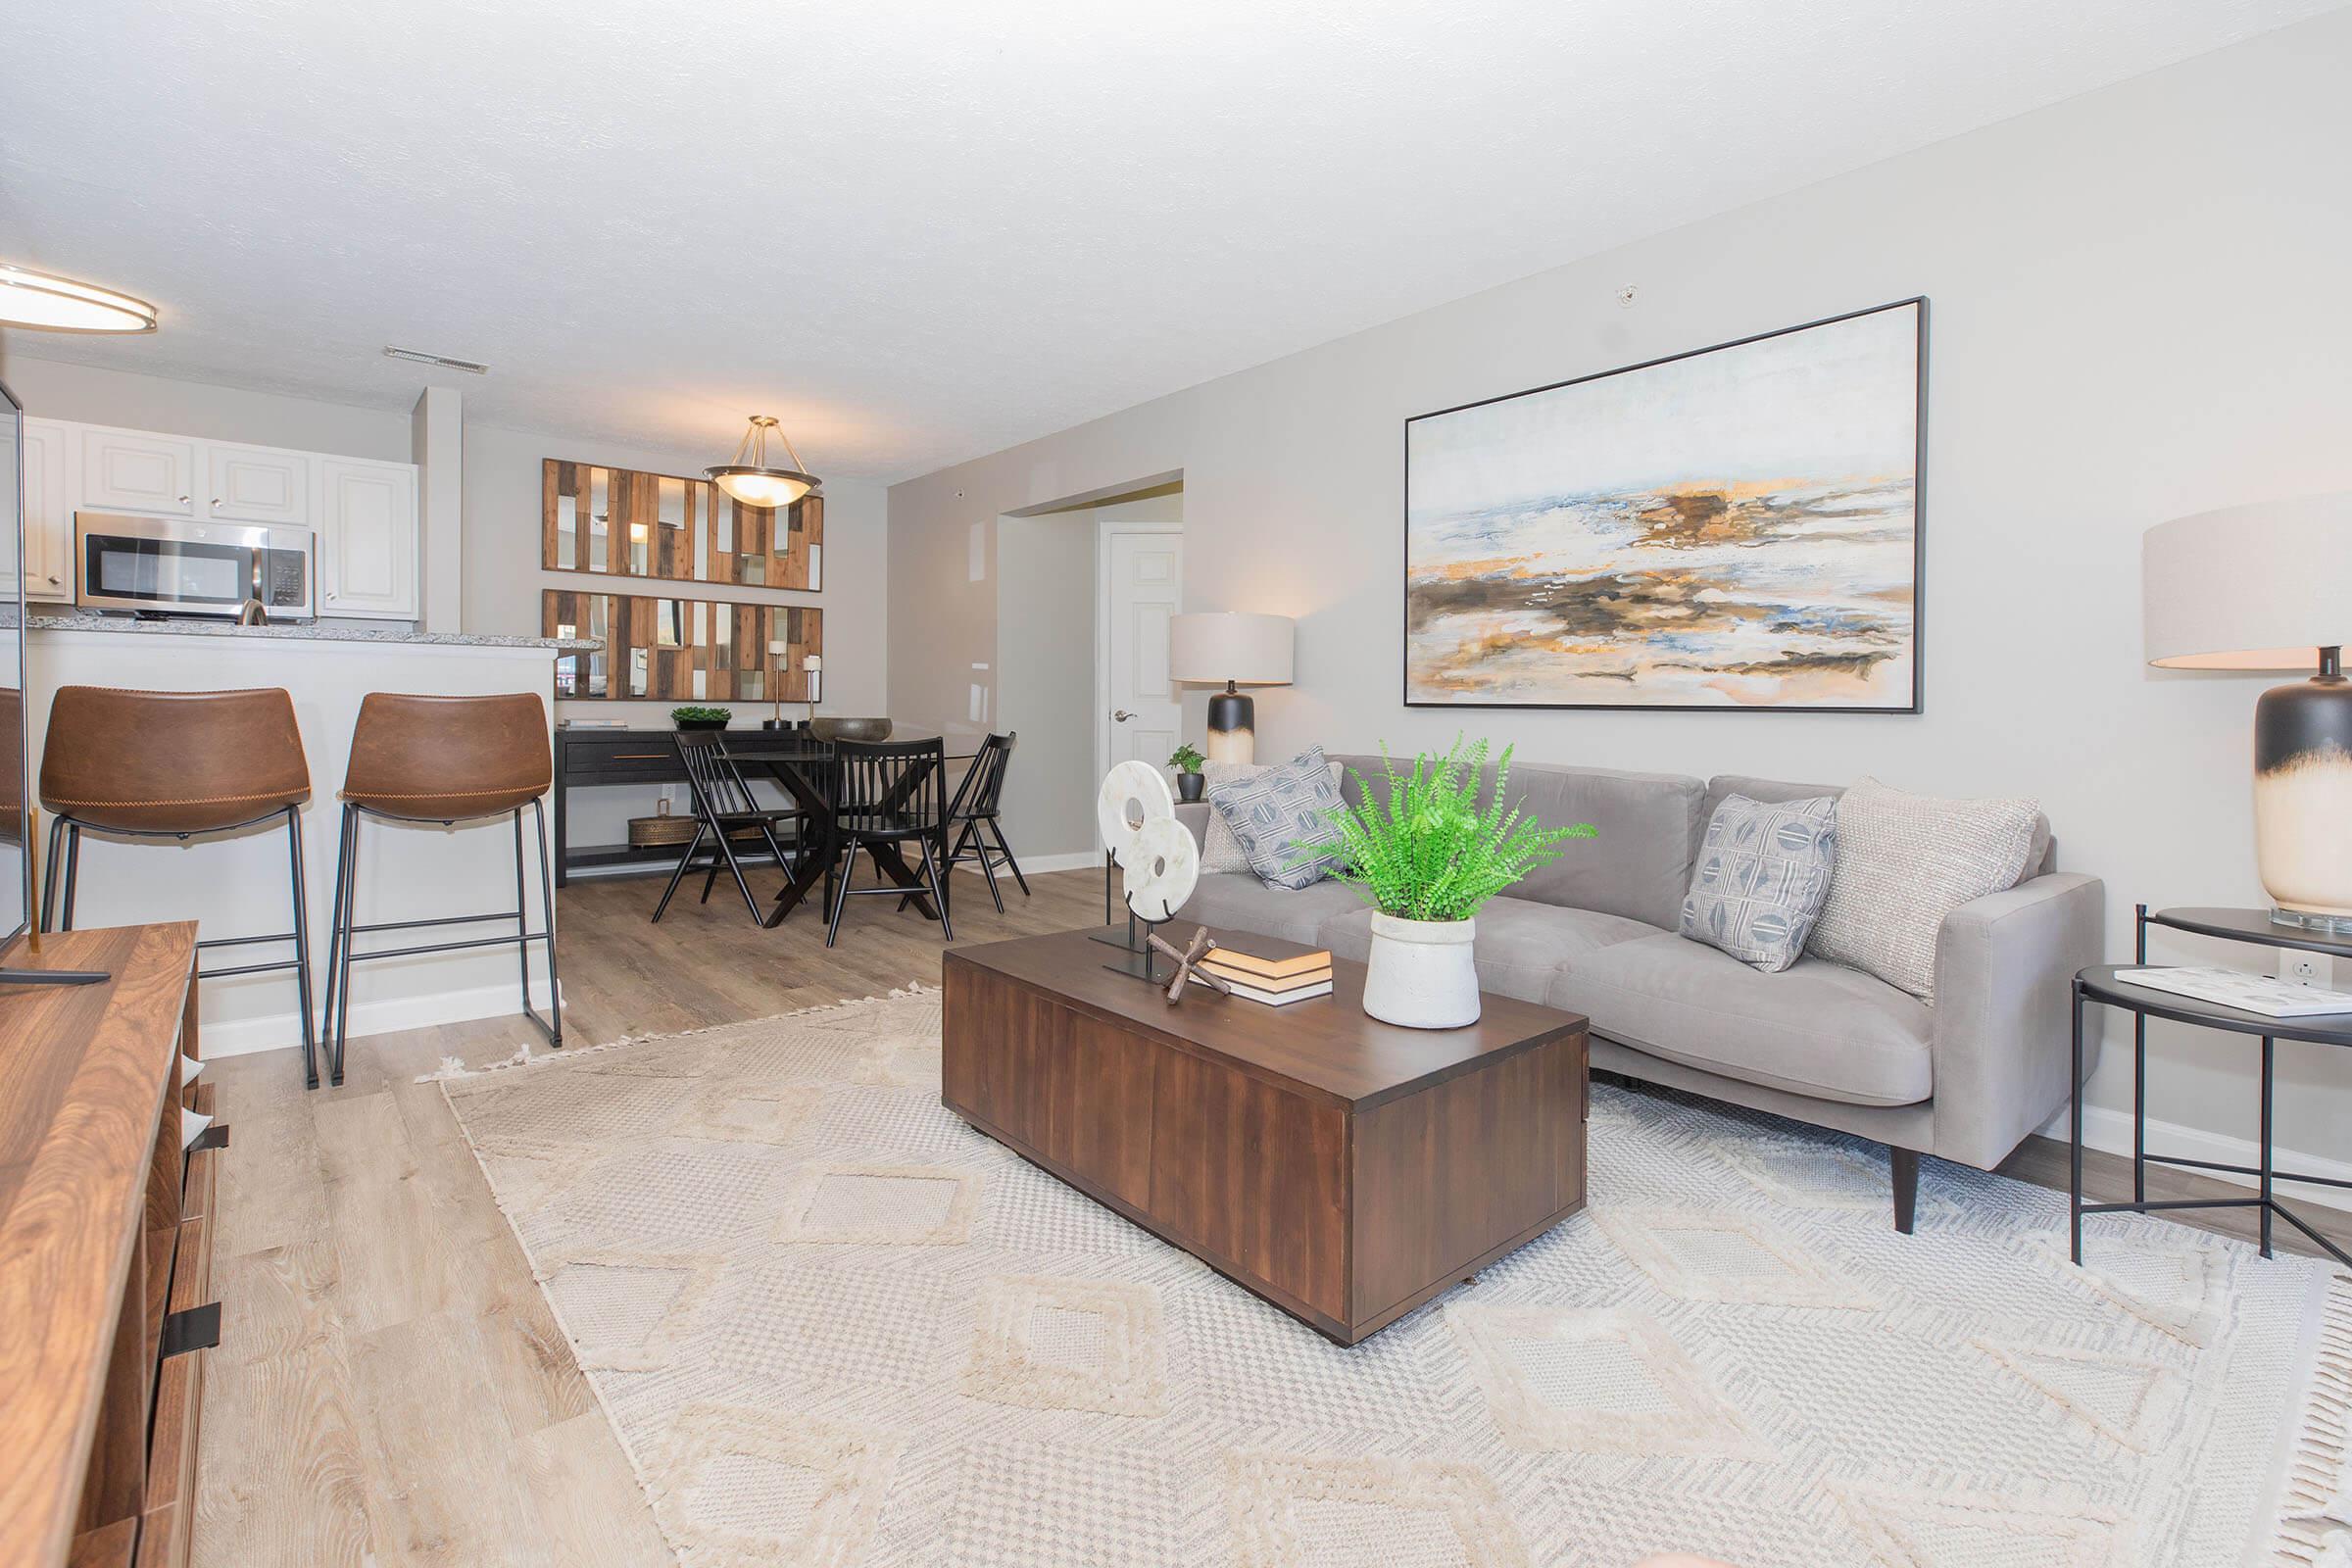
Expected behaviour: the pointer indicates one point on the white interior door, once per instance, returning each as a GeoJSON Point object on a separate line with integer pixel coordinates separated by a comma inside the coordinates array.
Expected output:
{"type": "Point", "coordinates": [1143, 586]}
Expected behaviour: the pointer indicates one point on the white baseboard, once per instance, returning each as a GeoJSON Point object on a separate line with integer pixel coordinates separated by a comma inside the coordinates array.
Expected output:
{"type": "Point", "coordinates": [282, 1031]}
{"type": "Point", "coordinates": [2110, 1132]}
{"type": "Point", "coordinates": [1080, 860]}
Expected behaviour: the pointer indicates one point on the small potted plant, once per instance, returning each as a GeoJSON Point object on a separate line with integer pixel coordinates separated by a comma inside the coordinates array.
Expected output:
{"type": "Point", "coordinates": [1186, 763]}
{"type": "Point", "coordinates": [696, 717]}
{"type": "Point", "coordinates": [1425, 856]}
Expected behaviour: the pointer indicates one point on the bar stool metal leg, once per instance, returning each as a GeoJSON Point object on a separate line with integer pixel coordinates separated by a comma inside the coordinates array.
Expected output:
{"type": "Point", "coordinates": [547, 893]}
{"type": "Point", "coordinates": [57, 837]}
{"type": "Point", "coordinates": [302, 948]}
{"type": "Point", "coordinates": [344, 907]}
{"type": "Point", "coordinates": [73, 869]}
{"type": "Point", "coordinates": [523, 917]}
{"type": "Point", "coordinates": [334, 926]}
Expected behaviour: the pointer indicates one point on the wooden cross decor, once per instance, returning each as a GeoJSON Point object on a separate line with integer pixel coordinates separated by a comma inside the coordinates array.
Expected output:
{"type": "Point", "coordinates": [1193, 950]}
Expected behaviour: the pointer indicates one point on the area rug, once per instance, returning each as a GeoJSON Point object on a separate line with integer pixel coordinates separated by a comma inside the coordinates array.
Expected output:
{"type": "Point", "coordinates": [834, 1326]}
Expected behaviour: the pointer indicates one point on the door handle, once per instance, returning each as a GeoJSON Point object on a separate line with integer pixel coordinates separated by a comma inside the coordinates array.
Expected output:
{"type": "Point", "coordinates": [1120, 716]}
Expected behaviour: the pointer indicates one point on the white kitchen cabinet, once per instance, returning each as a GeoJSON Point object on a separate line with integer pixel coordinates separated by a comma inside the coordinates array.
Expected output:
{"type": "Point", "coordinates": [48, 512]}
{"type": "Point", "coordinates": [368, 539]}
{"type": "Point", "coordinates": [257, 484]}
{"type": "Point", "coordinates": [134, 470]}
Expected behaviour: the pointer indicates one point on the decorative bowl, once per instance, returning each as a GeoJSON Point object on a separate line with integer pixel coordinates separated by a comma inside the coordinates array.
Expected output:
{"type": "Point", "coordinates": [851, 729]}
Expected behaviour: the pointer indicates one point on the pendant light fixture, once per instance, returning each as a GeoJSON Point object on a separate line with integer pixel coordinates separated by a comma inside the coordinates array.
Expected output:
{"type": "Point", "coordinates": [61, 304]}
{"type": "Point", "coordinates": [754, 481]}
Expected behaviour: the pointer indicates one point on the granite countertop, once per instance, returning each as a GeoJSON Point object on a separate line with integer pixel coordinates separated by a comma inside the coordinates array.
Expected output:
{"type": "Point", "coordinates": [321, 633]}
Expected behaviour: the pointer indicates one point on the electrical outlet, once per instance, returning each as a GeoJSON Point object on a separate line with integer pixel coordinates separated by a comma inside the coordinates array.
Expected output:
{"type": "Point", "coordinates": [2303, 968]}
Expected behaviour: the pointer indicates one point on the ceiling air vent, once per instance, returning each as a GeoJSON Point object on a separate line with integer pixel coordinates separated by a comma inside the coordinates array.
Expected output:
{"type": "Point", "coordinates": [442, 359]}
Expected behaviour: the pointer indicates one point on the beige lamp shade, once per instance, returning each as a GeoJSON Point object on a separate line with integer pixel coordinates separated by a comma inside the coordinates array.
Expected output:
{"type": "Point", "coordinates": [2255, 587]}
{"type": "Point", "coordinates": [1246, 650]}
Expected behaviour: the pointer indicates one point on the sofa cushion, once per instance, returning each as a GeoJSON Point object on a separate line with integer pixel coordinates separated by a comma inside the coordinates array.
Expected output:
{"type": "Point", "coordinates": [1817, 1028]}
{"type": "Point", "coordinates": [1762, 873]}
{"type": "Point", "coordinates": [1640, 864]}
{"type": "Point", "coordinates": [1520, 943]}
{"type": "Point", "coordinates": [1236, 901]}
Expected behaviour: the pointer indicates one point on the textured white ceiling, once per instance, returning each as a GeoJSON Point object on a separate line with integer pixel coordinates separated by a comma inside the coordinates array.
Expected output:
{"type": "Point", "coordinates": [922, 231]}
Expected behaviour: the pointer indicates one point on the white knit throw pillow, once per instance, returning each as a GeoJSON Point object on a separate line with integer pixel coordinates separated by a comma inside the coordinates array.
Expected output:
{"type": "Point", "coordinates": [1905, 862]}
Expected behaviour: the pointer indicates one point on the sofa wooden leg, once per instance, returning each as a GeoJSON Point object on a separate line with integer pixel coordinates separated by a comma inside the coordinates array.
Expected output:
{"type": "Point", "coordinates": [1905, 1163]}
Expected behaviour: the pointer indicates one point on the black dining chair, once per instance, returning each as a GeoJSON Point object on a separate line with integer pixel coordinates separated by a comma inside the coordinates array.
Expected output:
{"type": "Point", "coordinates": [890, 795]}
{"type": "Point", "coordinates": [973, 820]}
{"type": "Point", "coordinates": [726, 813]}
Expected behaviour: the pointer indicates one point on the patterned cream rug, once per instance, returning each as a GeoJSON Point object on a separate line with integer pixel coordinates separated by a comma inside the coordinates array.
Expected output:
{"type": "Point", "coordinates": [834, 1326]}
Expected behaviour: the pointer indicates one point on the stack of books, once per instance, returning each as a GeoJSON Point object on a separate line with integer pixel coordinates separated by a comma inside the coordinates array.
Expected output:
{"type": "Point", "coordinates": [1276, 982]}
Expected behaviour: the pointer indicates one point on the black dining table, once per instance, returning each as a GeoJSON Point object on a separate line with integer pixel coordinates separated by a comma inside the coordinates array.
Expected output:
{"type": "Point", "coordinates": [801, 765]}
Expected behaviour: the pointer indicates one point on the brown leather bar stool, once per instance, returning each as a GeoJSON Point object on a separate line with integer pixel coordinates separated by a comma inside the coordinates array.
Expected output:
{"type": "Point", "coordinates": [171, 765]}
{"type": "Point", "coordinates": [445, 760]}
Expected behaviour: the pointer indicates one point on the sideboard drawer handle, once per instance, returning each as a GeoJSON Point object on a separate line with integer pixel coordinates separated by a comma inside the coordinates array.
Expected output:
{"type": "Point", "coordinates": [196, 1329]}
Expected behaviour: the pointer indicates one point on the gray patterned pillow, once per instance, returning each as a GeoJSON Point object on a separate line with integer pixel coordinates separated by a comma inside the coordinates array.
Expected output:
{"type": "Point", "coordinates": [1220, 851]}
{"type": "Point", "coordinates": [1762, 874]}
{"type": "Point", "coordinates": [1275, 807]}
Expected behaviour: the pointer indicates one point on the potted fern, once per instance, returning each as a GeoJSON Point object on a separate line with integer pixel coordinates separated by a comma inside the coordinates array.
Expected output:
{"type": "Point", "coordinates": [1425, 855]}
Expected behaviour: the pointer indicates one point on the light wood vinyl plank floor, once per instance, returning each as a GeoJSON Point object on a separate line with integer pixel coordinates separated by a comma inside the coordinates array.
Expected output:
{"type": "Point", "coordinates": [390, 1388]}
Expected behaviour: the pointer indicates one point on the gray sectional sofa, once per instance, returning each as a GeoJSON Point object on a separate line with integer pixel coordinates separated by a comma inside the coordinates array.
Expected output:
{"type": "Point", "coordinates": [1965, 1078]}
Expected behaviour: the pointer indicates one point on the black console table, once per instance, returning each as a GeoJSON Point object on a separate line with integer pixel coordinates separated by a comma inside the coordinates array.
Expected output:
{"type": "Point", "coordinates": [2101, 985]}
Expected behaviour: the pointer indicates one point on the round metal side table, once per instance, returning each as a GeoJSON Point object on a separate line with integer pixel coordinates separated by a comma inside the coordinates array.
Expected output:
{"type": "Point", "coordinates": [2100, 984]}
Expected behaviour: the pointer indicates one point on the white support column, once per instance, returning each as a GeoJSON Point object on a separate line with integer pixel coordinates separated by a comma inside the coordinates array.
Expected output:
{"type": "Point", "coordinates": [437, 446]}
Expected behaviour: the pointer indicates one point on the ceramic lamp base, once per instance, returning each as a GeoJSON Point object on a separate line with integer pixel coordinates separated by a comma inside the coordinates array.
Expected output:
{"type": "Point", "coordinates": [2303, 798]}
{"type": "Point", "coordinates": [1232, 728]}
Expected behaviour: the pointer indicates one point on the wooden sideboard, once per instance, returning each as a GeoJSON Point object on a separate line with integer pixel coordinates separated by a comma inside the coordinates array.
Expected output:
{"type": "Point", "coordinates": [105, 1253]}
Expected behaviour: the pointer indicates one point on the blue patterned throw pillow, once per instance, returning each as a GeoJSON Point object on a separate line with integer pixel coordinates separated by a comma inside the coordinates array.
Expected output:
{"type": "Point", "coordinates": [1276, 807]}
{"type": "Point", "coordinates": [1762, 874]}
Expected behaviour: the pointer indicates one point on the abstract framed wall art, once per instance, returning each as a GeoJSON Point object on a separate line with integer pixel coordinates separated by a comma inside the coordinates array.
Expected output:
{"type": "Point", "coordinates": [1735, 527]}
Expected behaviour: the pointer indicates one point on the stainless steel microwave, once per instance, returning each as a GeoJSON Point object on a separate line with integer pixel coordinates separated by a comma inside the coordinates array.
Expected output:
{"type": "Point", "coordinates": [182, 566]}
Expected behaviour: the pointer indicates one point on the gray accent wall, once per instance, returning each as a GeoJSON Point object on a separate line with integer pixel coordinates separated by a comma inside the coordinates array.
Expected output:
{"type": "Point", "coordinates": [2138, 311]}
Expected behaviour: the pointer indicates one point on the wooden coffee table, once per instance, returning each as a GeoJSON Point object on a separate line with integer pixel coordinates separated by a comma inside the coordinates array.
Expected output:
{"type": "Point", "coordinates": [1344, 1169]}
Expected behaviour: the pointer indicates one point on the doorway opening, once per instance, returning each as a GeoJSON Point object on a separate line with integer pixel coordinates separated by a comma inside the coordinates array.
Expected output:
{"type": "Point", "coordinates": [1085, 587]}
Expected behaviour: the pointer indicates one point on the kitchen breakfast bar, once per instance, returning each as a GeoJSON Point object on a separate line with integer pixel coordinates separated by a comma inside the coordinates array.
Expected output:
{"type": "Point", "coordinates": [236, 883]}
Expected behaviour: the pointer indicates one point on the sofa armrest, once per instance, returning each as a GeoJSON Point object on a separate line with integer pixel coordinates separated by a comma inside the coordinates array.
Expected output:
{"type": "Point", "coordinates": [1194, 817]}
{"type": "Point", "coordinates": [2005, 967]}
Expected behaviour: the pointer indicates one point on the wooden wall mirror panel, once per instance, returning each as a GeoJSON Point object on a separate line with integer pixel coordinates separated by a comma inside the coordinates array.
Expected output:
{"type": "Point", "coordinates": [631, 524]}
{"type": "Point", "coordinates": [683, 650]}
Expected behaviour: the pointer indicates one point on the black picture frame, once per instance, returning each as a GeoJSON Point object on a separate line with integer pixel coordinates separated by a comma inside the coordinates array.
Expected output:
{"type": "Point", "coordinates": [1919, 536]}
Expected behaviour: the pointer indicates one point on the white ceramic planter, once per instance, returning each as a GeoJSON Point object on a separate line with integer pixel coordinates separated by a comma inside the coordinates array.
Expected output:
{"type": "Point", "coordinates": [1420, 973]}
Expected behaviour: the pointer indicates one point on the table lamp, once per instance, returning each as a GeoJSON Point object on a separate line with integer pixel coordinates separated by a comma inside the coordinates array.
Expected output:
{"type": "Point", "coordinates": [1233, 650]}
{"type": "Point", "coordinates": [2261, 588]}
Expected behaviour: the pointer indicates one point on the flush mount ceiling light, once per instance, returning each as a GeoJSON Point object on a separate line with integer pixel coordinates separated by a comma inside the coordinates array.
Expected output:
{"type": "Point", "coordinates": [59, 305]}
{"type": "Point", "coordinates": [755, 482]}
